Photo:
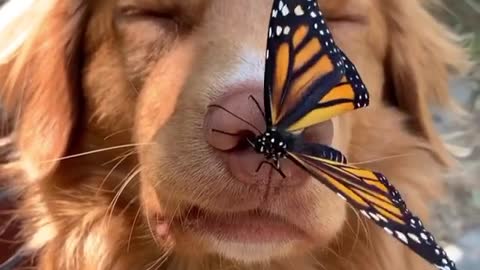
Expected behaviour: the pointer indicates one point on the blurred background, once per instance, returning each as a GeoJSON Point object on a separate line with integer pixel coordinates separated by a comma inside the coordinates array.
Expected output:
{"type": "Point", "coordinates": [457, 217]}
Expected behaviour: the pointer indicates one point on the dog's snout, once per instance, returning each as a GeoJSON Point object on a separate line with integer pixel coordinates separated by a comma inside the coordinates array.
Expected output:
{"type": "Point", "coordinates": [234, 118]}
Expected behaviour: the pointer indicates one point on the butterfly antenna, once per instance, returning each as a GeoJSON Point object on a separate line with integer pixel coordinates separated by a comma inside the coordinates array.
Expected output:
{"type": "Point", "coordinates": [236, 116]}
{"type": "Point", "coordinates": [226, 133]}
{"type": "Point", "coordinates": [258, 105]}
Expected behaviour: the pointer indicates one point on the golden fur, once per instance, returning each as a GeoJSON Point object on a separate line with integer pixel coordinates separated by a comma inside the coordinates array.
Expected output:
{"type": "Point", "coordinates": [103, 99]}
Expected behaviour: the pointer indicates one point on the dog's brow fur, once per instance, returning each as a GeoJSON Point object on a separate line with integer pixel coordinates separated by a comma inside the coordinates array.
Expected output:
{"type": "Point", "coordinates": [105, 115]}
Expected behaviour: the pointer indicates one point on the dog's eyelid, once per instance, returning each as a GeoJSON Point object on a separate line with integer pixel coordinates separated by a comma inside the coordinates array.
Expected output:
{"type": "Point", "coordinates": [137, 12]}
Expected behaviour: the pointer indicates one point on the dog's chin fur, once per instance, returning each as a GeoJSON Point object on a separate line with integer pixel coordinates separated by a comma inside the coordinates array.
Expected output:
{"type": "Point", "coordinates": [106, 109]}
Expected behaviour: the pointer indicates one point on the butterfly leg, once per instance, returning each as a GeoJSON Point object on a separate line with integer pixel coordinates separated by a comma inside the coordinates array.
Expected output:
{"type": "Point", "coordinates": [273, 166]}
{"type": "Point", "coordinates": [258, 105]}
{"type": "Point", "coordinates": [278, 169]}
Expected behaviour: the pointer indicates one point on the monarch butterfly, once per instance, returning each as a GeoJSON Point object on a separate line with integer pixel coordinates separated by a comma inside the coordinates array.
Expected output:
{"type": "Point", "coordinates": [308, 80]}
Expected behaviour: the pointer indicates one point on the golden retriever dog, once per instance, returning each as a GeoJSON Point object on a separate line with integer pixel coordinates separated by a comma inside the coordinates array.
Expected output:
{"type": "Point", "coordinates": [112, 155]}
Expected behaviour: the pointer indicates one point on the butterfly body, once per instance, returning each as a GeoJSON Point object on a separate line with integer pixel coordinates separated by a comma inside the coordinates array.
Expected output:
{"type": "Point", "coordinates": [273, 144]}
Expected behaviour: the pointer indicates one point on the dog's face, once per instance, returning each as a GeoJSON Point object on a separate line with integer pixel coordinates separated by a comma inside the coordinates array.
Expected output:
{"type": "Point", "coordinates": [149, 71]}
{"type": "Point", "coordinates": [205, 182]}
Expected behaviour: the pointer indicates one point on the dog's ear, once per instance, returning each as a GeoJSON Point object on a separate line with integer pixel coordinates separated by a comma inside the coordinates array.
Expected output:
{"type": "Point", "coordinates": [421, 54]}
{"type": "Point", "coordinates": [39, 81]}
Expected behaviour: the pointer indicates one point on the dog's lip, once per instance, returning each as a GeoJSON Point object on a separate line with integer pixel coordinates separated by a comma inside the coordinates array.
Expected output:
{"type": "Point", "coordinates": [255, 226]}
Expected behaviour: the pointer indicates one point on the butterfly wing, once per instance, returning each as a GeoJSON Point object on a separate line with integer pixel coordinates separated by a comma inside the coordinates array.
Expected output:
{"type": "Point", "coordinates": [372, 194]}
{"type": "Point", "coordinates": [308, 79]}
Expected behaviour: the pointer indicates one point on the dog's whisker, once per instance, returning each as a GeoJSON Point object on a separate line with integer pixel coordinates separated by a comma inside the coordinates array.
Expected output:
{"type": "Point", "coordinates": [316, 260]}
{"type": "Point", "coordinates": [355, 232]}
{"type": "Point", "coordinates": [150, 228]}
{"type": "Point", "coordinates": [160, 261]}
{"type": "Point", "coordinates": [368, 240]}
{"type": "Point", "coordinates": [112, 170]}
{"type": "Point", "coordinates": [123, 155]}
{"type": "Point", "coordinates": [171, 217]}
{"type": "Point", "coordinates": [117, 133]}
{"type": "Point", "coordinates": [115, 199]}
{"type": "Point", "coordinates": [97, 151]}
{"type": "Point", "coordinates": [130, 235]}
{"type": "Point", "coordinates": [381, 159]}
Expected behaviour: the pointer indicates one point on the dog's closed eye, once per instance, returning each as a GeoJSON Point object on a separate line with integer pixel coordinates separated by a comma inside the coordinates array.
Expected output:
{"type": "Point", "coordinates": [144, 33]}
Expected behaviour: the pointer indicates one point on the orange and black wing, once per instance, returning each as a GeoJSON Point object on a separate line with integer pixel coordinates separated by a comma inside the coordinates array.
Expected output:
{"type": "Point", "coordinates": [308, 79]}
{"type": "Point", "coordinates": [372, 194]}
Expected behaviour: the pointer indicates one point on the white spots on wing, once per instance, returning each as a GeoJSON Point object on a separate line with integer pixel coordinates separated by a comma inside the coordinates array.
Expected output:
{"type": "Point", "coordinates": [274, 13]}
{"type": "Point", "coordinates": [299, 11]}
{"type": "Point", "coordinates": [313, 14]}
{"type": "Point", "coordinates": [279, 30]}
{"type": "Point", "coordinates": [424, 236]}
{"type": "Point", "coordinates": [286, 30]}
{"type": "Point", "coordinates": [388, 230]}
{"type": "Point", "coordinates": [414, 237]}
{"type": "Point", "coordinates": [374, 216]}
{"type": "Point", "coordinates": [363, 212]}
{"type": "Point", "coordinates": [341, 197]}
{"type": "Point", "coordinates": [382, 218]}
{"type": "Point", "coordinates": [322, 32]}
{"type": "Point", "coordinates": [267, 54]}
{"type": "Point", "coordinates": [280, 5]}
{"type": "Point", "coordinates": [402, 237]}
{"type": "Point", "coordinates": [315, 26]}
{"type": "Point", "coordinates": [285, 10]}
{"type": "Point", "coordinates": [270, 32]}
